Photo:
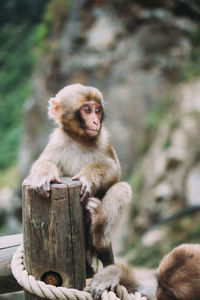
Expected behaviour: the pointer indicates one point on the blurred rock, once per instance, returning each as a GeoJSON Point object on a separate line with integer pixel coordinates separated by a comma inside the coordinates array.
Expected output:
{"type": "Point", "coordinates": [6, 195]}
{"type": "Point", "coordinates": [163, 191]}
{"type": "Point", "coordinates": [193, 186]}
{"type": "Point", "coordinates": [103, 33]}
{"type": "Point", "coordinates": [8, 209]}
{"type": "Point", "coordinates": [153, 236]}
{"type": "Point", "coordinates": [170, 170]}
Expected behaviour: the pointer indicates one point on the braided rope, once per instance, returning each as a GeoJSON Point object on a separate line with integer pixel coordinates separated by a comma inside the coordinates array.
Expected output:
{"type": "Point", "coordinates": [43, 290]}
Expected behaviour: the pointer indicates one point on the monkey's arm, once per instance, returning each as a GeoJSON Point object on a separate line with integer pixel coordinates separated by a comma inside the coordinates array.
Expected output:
{"type": "Point", "coordinates": [109, 277]}
{"type": "Point", "coordinates": [98, 176]}
{"type": "Point", "coordinates": [44, 171]}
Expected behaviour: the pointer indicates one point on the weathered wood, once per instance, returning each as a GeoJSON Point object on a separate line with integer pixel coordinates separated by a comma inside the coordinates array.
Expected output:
{"type": "Point", "coordinates": [8, 246]}
{"type": "Point", "coordinates": [54, 238]}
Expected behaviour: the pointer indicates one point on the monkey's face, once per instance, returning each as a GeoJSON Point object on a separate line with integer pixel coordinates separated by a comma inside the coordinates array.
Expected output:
{"type": "Point", "coordinates": [79, 111]}
{"type": "Point", "coordinates": [91, 114]}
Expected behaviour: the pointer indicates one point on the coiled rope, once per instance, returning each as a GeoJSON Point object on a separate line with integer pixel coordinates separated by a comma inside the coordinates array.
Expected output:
{"type": "Point", "coordinates": [43, 290]}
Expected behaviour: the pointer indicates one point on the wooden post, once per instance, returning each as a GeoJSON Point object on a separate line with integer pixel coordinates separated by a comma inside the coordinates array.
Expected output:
{"type": "Point", "coordinates": [54, 237]}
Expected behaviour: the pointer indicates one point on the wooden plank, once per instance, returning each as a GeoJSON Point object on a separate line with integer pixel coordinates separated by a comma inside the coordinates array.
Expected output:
{"type": "Point", "coordinates": [11, 241]}
{"type": "Point", "coordinates": [8, 246]}
{"type": "Point", "coordinates": [54, 235]}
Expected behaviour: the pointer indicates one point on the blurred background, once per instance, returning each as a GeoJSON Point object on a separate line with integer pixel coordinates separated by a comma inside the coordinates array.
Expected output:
{"type": "Point", "coordinates": [144, 55]}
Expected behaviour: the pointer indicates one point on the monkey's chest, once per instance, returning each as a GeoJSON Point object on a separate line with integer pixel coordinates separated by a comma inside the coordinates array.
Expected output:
{"type": "Point", "coordinates": [75, 158]}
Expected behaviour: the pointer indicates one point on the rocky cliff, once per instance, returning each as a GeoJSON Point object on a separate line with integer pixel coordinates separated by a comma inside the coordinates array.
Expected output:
{"type": "Point", "coordinates": [167, 181]}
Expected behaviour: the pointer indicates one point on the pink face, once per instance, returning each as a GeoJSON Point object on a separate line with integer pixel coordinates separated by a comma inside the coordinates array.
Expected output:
{"type": "Point", "coordinates": [91, 112]}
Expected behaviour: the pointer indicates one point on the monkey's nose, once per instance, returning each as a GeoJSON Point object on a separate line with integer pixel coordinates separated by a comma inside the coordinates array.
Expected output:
{"type": "Point", "coordinates": [95, 122]}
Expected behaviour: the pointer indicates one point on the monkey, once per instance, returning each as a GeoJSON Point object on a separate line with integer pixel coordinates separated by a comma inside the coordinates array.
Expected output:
{"type": "Point", "coordinates": [80, 148]}
{"type": "Point", "coordinates": [178, 276]}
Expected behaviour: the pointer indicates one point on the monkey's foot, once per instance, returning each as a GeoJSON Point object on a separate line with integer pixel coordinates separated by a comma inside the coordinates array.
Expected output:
{"type": "Point", "coordinates": [106, 279]}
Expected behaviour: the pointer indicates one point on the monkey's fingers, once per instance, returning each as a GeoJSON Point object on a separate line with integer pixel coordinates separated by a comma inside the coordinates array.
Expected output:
{"type": "Point", "coordinates": [76, 177]}
{"type": "Point", "coordinates": [84, 197]}
{"type": "Point", "coordinates": [96, 293]}
{"type": "Point", "coordinates": [44, 190]}
{"type": "Point", "coordinates": [98, 290]}
{"type": "Point", "coordinates": [56, 179]}
{"type": "Point", "coordinates": [83, 189]}
{"type": "Point", "coordinates": [113, 287]}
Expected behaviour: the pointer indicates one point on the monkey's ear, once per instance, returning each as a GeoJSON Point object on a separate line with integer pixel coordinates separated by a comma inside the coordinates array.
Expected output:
{"type": "Point", "coordinates": [54, 108]}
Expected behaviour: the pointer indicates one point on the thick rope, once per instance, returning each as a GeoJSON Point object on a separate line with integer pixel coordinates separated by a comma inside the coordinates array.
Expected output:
{"type": "Point", "coordinates": [43, 290]}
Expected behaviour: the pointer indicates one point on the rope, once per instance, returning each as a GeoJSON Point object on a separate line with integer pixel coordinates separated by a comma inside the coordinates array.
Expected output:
{"type": "Point", "coordinates": [43, 290]}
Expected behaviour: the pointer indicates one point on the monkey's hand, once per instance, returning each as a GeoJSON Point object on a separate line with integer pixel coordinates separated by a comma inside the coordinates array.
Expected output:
{"type": "Point", "coordinates": [87, 188]}
{"type": "Point", "coordinates": [43, 172]}
{"type": "Point", "coordinates": [42, 184]}
{"type": "Point", "coordinates": [107, 279]}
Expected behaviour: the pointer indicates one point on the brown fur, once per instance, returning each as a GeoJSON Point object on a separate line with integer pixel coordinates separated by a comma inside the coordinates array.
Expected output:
{"type": "Point", "coordinates": [110, 277]}
{"type": "Point", "coordinates": [128, 279]}
{"type": "Point", "coordinates": [98, 224]}
{"type": "Point", "coordinates": [179, 271]}
{"type": "Point", "coordinates": [110, 151]}
{"type": "Point", "coordinates": [73, 129]}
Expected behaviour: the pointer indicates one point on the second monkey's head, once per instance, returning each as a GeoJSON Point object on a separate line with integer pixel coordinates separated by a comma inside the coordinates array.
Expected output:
{"type": "Point", "coordinates": [179, 274]}
{"type": "Point", "coordinates": [79, 110]}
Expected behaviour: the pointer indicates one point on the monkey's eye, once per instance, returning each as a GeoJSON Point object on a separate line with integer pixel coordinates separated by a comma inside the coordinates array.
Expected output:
{"type": "Point", "coordinates": [98, 110]}
{"type": "Point", "coordinates": [87, 109]}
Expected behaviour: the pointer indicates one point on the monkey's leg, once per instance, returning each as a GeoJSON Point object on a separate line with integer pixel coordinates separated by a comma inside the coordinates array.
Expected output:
{"type": "Point", "coordinates": [113, 203]}
{"type": "Point", "coordinates": [106, 256]}
{"type": "Point", "coordinates": [105, 215]}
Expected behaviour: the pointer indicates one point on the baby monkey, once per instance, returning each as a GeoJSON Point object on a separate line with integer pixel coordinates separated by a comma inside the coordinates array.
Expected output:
{"type": "Point", "coordinates": [178, 276]}
{"type": "Point", "coordinates": [80, 148]}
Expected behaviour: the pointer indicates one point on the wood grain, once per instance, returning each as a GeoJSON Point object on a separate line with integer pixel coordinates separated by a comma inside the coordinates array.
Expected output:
{"type": "Point", "coordinates": [8, 246]}
{"type": "Point", "coordinates": [54, 238]}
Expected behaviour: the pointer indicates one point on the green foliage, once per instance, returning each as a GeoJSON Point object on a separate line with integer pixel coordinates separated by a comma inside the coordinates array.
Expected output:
{"type": "Point", "coordinates": [16, 67]}
{"type": "Point", "coordinates": [52, 23]}
{"type": "Point", "coordinates": [156, 117]}
{"type": "Point", "coordinates": [18, 21]}
{"type": "Point", "coordinates": [20, 33]}
{"type": "Point", "coordinates": [182, 230]}
{"type": "Point", "coordinates": [13, 12]}
{"type": "Point", "coordinates": [56, 14]}
{"type": "Point", "coordinates": [9, 177]}
{"type": "Point", "coordinates": [149, 257]}
{"type": "Point", "coordinates": [136, 181]}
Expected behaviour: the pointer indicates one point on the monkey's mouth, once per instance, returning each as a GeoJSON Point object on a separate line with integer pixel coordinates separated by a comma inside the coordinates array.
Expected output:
{"type": "Point", "coordinates": [92, 132]}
